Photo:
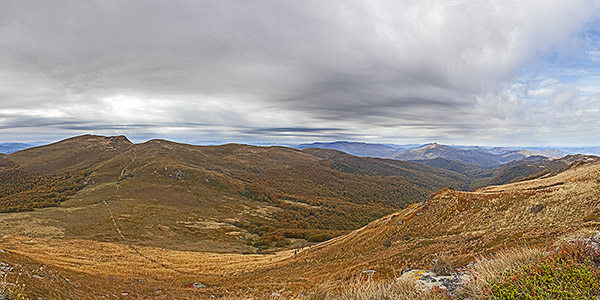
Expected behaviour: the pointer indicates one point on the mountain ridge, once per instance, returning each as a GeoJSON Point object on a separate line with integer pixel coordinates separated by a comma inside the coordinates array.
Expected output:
{"type": "Point", "coordinates": [238, 197]}
{"type": "Point", "coordinates": [459, 226]}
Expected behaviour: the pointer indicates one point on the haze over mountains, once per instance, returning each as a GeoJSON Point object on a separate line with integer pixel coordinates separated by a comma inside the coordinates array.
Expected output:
{"type": "Point", "coordinates": [495, 155]}
{"type": "Point", "coordinates": [8, 148]}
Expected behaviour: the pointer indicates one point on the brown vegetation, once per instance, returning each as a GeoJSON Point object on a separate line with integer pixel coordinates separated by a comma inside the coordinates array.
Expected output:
{"type": "Point", "coordinates": [153, 206]}
{"type": "Point", "coordinates": [263, 198]}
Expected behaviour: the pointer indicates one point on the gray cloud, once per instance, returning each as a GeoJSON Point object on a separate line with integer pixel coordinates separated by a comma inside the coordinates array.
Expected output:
{"type": "Point", "coordinates": [285, 70]}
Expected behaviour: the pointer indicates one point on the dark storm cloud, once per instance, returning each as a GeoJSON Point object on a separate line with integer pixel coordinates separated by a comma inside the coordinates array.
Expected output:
{"type": "Point", "coordinates": [247, 69]}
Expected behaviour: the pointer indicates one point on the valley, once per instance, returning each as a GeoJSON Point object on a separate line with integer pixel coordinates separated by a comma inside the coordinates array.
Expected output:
{"type": "Point", "coordinates": [152, 218]}
{"type": "Point", "coordinates": [300, 150]}
{"type": "Point", "coordinates": [231, 198]}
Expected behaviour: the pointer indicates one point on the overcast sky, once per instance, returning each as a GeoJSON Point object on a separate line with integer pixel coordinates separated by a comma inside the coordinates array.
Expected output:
{"type": "Point", "coordinates": [497, 72]}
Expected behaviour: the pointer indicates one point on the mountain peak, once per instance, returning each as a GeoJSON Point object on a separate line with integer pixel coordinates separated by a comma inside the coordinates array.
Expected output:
{"type": "Point", "coordinates": [74, 153]}
{"type": "Point", "coordinates": [435, 145]}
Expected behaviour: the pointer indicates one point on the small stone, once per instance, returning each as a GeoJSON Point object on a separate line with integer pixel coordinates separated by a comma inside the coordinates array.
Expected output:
{"type": "Point", "coordinates": [596, 237]}
{"type": "Point", "coordinates": [37, 276]}
{"type": "Point", "coordinates": [537, 208]}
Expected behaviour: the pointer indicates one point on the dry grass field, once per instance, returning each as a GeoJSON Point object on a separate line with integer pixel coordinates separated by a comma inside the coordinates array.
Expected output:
{"type": "Point", "coordinates": [462, 226]}
{"type": "Point", "coordinates": [230, 198]}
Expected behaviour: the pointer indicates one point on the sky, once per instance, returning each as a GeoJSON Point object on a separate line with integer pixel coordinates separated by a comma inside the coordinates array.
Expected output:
{"type": "Point", "coordinates": [476, 72]}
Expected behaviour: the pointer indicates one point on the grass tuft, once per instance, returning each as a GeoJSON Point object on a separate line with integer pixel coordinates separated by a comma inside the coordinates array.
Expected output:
{"type": "Point", "coordinates": [442, 267]}
{"type": "Point", "coordinates": [486, 270]}
{"type": "Point", "coordinates": [368, 289]}
{"type": "Point", "coordinates": [10, 291]}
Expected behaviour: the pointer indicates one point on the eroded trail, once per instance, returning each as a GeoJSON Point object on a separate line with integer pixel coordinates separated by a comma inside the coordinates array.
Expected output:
{"type": "Point", "coordinates": [122, 236]}
{"type": "Point", "coordinates": [118, 186]}
{"type": "Point", "coordinates": [129, 164]}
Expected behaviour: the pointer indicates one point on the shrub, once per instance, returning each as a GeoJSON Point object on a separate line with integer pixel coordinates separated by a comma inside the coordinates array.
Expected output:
{"type": "Point", "coordinates": [281, 243]}
{"type": "Point", "coordinates": [442, 267]}
{"type": "Point", "coordinates": [387, 243]}
{"type": "Point", "coordinates": [317, 238]}
{"type": "Point", "coordinates": [571, 272]}
{"type": "Point", "coordinates": [486, 270]}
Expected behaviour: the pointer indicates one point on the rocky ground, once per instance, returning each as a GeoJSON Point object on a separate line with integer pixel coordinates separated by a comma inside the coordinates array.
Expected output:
{"type": "Point", "coordinates": [453, 281]}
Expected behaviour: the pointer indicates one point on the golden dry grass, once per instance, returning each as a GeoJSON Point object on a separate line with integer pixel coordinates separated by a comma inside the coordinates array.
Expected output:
{"type": "Point", "coordinates": [488, 268]}
{"type": "Point", "coordinates": [368, 289]}
{"type": "Point", "coordinates": [459, 225]}
{"type": "Point", "coordinates": [10, 290]}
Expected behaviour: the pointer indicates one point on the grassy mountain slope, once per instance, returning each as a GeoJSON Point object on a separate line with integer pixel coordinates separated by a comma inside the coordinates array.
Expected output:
{"type": "Point", "coordinates": [462, 225]}
{"type": "Point", "coordinates": [418, 174]}
{"type": "Point", "coordinates": [526, 168]}
{"type": "Point", "coordinates": [71, 154]}
{"type": "Point", "coordinates": [225, 198]}
{"type": "Point", "coordinates": [457, 225]}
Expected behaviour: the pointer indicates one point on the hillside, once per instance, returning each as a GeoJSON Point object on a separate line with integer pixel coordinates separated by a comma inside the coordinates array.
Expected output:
{"type": "Point", "coordinates": [458, 225]}
{"type": "Point", "coordinates": [526, 168]}
{"type": "Point", "coordinates": [229, 198]}
{"type": "Point", "coordinates": [72, 154]}
{"type": "Point", "coordinates": [480, 157]}
{"type": "Point", "coordinates": [463, 225]}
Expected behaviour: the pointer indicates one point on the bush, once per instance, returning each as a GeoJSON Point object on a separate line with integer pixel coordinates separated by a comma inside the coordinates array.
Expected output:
{"type": "Point", "coordinates": [317, 238]}
{"type": "Point", "coordinates": [571, 272]}
{"type": "Point", "coordinates": [442, 267]}
{"type": "Point", "coordinates": [387, 243]}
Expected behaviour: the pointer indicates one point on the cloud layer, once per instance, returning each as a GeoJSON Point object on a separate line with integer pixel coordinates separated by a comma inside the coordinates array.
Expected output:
{"type": "Point", "coordinates": [485, 72]}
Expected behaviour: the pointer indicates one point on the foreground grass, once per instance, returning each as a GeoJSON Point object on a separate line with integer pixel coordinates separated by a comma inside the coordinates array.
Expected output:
{"type": "Point", "coordinates": [8, 291]}
{"type": "Point", "coordinates": [569, 270]}
{"type": "Point", "coordinates": [399, 289]}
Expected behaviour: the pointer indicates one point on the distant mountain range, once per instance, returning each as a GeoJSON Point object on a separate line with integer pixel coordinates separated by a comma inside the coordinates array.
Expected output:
{"type": "Point", "coordinates": [239, 197]}
{"type": "Point", "coordinates": [263, 195]}
{"type": "Point", "coordinates": [8, 148]}
{"type": "Point", "coordinates": [357, 148]}
{"type": "Point", "coordinates": [110, 204]}
{"type": "Point", "coordinates": [481, 156]}
{"type": "Point", "coordinates": [481, 166]}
